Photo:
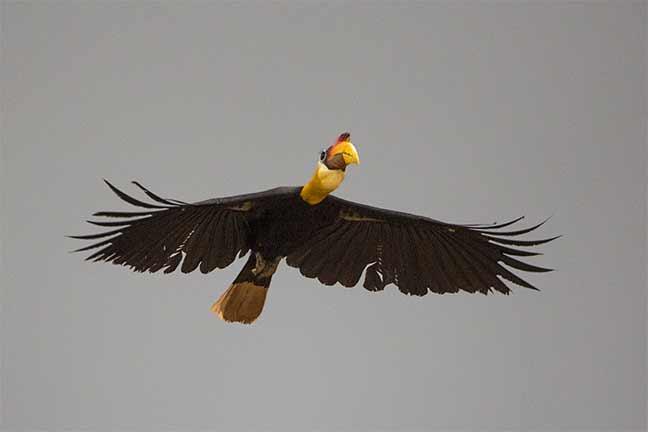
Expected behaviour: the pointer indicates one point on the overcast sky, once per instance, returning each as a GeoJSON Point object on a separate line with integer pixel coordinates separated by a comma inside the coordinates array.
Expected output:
{"type": "Point", "coordinates": [465, 112]}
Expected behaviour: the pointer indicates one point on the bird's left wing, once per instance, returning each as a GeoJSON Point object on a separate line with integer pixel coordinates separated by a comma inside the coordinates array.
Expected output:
{"type": "Point", "coordinates": [208, 234]}
{"type": "Point", "coordinates": [415, 253]}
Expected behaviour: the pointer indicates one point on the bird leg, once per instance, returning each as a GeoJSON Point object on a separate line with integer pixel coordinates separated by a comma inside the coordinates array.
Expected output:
{"type": "Point", "coordinates": [263, 267]}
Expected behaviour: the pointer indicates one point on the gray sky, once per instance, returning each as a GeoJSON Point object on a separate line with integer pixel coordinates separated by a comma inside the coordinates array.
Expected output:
{"type": "Point", "coordinates": [471, 112]}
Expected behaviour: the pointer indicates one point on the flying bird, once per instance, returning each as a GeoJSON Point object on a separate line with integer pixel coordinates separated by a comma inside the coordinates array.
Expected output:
{"type": "Point", "coordinates": [325, 237]}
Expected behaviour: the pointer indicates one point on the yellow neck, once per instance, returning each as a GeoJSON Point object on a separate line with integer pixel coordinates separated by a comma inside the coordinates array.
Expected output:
{"type": "Point", "coordinates": [323, 182]}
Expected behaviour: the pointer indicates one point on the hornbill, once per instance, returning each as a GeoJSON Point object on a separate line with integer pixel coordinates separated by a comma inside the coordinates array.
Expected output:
{"type": "Point", "coordinates": [327, 238]}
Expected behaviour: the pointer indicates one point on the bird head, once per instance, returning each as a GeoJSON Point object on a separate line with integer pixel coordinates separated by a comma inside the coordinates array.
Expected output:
{"type": "Point", "coordinates": [340, 154]}
{"type": "Point", "coordinates": [330, 170]}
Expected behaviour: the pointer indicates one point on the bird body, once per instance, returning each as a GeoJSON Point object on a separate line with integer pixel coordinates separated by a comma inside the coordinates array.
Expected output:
{"type": "Point", "coordinates": [328, 238]}
{"type": "Point", "coordinates": [276, 230]}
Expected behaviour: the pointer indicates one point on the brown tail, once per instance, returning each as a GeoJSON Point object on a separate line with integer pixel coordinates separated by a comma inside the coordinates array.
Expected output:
{"type": "Point", "coordinates": [244, 299]}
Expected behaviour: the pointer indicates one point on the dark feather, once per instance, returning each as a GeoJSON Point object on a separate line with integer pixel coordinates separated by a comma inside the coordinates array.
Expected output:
{"type": "Point", "coordinates": [122, 214]}
{"type": "Point", "coordinates": [522, 243]}
{"type": "Point", "coordinates": [494, 226]}
{"type": "Point", "coordinates": [129, 199]}
{"type": "Point", "coordinates": [160, 238]}
{"type": "Point", "coordinates": [417, 254]}
{"type": "Point", "coordinates": [414, 253]}
{"type": "Point", "coordinates": [156, 198]}
{"type": "Point", "coordinates": [518, 232]}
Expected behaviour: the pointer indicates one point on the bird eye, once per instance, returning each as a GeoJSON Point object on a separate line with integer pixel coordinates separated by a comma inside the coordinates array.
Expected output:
{"type": "Point", "coordinates": [322, 155]}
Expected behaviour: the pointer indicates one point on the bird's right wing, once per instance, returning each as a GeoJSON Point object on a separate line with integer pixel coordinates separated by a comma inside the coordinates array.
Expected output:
{"type": "Point", "coordinates": [207, 234]}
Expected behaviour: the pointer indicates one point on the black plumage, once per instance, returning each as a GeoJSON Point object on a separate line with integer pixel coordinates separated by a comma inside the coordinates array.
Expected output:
{"type": "Point", "coordinates": [335, 241]}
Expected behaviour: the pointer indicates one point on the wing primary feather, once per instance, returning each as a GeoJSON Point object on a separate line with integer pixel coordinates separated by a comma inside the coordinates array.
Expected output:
{"type": "Point", "coordinates": [133, 245]}
{"type": "Point", "coordinates": [95, 236]}
{"type": "Point", "coordinates": [493, 226]}
{"type": "Point", "coordinates": [157, 198]}
{"type": "Point", "coordinates": [473, 239]}
{"type": "Point", "coordinates": [96, 256]}
{"type": "Point", "coordinates": [177, 235]}
{"type": "Point", "coordinates": [518, 232]}
{"type": "Point", "coordinates": [122, 214]}
{"type": "Point", "coordinates": [512, 262]}
{"type": "Point", "coordinates": [116, 223]}
{"type": "Point", "coordinates": [509, 251]}
{"type": "Point", "coordinates": [492, 257]}
{"type": "Point", "coordinates": [504, 272]}
{"type": "Point", "coordinates": [94, 246]}
{"type": "Point", "coordinates": [477, 270]}
{"type": "Point", "coordinates": [490, 271]}
{"type": "Point", "coordinates": [160, 232]}
{"type": "Point", "coordinates": [512, 277]}
{"type": "Point", "coordinates": [175, 232]}
{"type": "Point", "coordinates": [522, 243]}
{"type": "Point", "coordinates": [129, 199]}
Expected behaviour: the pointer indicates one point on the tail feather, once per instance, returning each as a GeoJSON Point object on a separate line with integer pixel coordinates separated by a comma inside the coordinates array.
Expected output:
{"type": "Point", "coordinates": [243, 301]}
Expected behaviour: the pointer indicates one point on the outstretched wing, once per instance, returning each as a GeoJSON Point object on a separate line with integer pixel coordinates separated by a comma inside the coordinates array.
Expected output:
{"type": "Point", "coordinates": [207, 234]}
{"type": "Point", "coordinates": [415, 253]}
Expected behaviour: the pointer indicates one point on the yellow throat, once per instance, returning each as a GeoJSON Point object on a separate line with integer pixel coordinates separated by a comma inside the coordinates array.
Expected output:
{"type": "Point", "coordinates": [323, 182]}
